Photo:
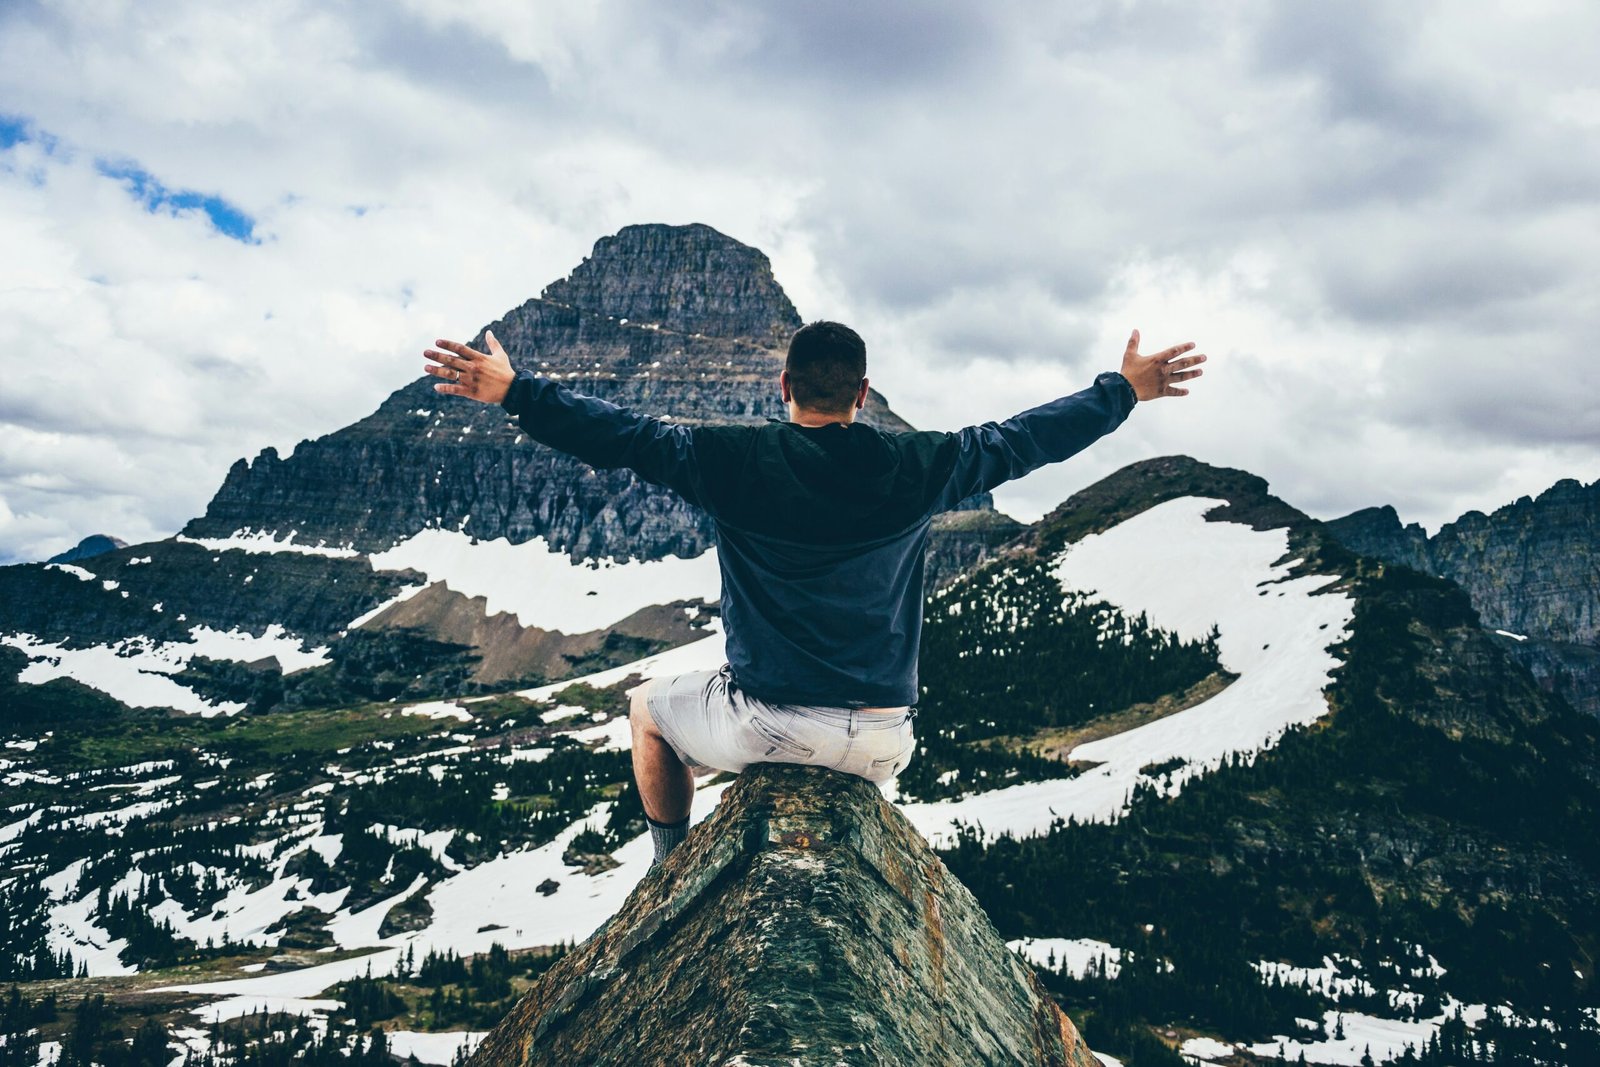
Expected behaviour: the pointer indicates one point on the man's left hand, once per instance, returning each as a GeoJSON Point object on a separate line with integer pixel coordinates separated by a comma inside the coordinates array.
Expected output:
{"type": "Point", "coordinates": [1152, 376]}
{"type": "Point", "coordinates": [484, 376]}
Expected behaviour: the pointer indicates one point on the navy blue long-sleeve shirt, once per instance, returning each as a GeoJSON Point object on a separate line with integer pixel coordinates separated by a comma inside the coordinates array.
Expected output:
{"type": "Point", "coordinates": [821, 530]}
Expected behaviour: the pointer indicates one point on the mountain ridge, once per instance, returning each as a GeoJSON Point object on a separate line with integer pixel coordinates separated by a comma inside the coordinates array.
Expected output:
{"type": "Point", "coordinates": [1532, 571]}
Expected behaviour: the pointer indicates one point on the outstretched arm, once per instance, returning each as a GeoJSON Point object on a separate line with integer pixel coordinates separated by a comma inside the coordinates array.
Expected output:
{"type": "Point", "coordinates": [996, 452]}
{"type": "Point", "coordinates": [596, 431]}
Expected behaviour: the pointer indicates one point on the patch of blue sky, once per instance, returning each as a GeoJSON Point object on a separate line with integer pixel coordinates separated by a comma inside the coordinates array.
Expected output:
{"type": "Point", "coordinates": [13, 130]}
{"type": "Point", "coordinates": [16, 130]}
{"type": "Point", "coordinates": [229, 219]}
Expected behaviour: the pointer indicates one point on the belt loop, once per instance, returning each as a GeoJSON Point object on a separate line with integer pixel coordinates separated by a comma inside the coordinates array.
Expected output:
{"type": "Point", "coordinates": [855, 721]}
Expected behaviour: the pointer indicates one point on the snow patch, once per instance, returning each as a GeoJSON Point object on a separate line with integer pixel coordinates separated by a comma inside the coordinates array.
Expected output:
{"type": "Point", "coordinates": [562, 711]}
{"type": "Point", "coordinates": [1386, 1038]}
{"type": "Point", "coordinates": [439, 1048]}
{"type": "Point", "coordinates": [139, 671]}
{"type": "Point", "coordinates": [543, 587]}
{"type": "Point", "coordinates": [439, 709]}
{"type": "Point", "coordinates": [250, 540]}
{"type": "Point", "coordinates": [1205, 1048]}
{"type": "Point", "coordinates": [1070, 955]}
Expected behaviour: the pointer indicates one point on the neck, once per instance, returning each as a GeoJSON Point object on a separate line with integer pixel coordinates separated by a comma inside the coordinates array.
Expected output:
{"type": "Point", "coordinates": [806, 417]}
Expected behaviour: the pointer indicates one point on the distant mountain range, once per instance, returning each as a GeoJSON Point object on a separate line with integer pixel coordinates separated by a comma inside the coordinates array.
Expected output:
{"type": "Point", "coordinates": [93, 545]}
{"type": "Point", "coordinates": [1282, 780]}
{"type": "Point", "coordinates": [1532, 569]}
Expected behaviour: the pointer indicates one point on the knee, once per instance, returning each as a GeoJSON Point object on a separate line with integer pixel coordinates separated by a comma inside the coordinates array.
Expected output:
{"type": "Point", "coordinates": [639, 709]}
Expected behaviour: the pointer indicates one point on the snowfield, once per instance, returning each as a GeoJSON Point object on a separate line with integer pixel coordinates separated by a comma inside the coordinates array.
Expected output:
{"type": "Point", "coordinates": [139, 671]}
{"type": "Point", "coordinates": [543, 587]}
{"type": "Point", "coordinates": [1186, 574]}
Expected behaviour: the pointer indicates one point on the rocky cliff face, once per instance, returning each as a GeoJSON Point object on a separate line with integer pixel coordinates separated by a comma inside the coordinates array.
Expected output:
{"type": "Point", "coordinates": [687, 279]}
{"type": "Point", "coordinates": [1377, 532]}
{"type": "Point", "coordinates": [678, 321]}
{"type": "Point", "coordinates": [1530, 568]}
{"type": "Point", "coordinates": [805, 921]}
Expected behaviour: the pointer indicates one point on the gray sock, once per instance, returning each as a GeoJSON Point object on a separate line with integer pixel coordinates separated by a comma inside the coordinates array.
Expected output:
{"type": "Point", "coordinates": [665, 836]}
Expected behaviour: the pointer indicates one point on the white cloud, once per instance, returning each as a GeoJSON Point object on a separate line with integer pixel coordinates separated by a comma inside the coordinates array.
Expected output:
{"type": "Point", "coordinates": [1377, 222]}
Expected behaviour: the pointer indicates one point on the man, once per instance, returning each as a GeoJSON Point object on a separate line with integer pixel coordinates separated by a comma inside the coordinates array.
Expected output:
{"type": "Point", "coordinates": [821, 526]}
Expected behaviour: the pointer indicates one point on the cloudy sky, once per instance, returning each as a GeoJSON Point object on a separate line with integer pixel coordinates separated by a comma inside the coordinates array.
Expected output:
{"type": "Point", "coordinates": [233, 226]}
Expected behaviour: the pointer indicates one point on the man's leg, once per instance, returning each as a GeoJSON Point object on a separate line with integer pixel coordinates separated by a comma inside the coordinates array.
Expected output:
{"type": "Point", "coordinates": [666, 785]}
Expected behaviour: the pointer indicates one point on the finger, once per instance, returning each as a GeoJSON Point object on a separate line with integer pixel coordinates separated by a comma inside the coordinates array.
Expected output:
{"type": "Point", "coordinates": [460, 349]}
{"type": "Point", "coordinates": [450, 387]}
{"type": "Point", "coordinates": [443, 357]}
{"type": "Point", "coordinates": [1167, 353]}
{"type": "Point", "coordinates": [1133, 345]}
{"type": "Point", "coordinates": [1187, 361]}
{"type": "Point", "coordinates": [449, 374]}
{"type": "Point", "coordinates": [494, 345]}
{"type": "Point", "coordinates": [1173, 390]}
{"type": "Point", "coordinates": [1181, 375]}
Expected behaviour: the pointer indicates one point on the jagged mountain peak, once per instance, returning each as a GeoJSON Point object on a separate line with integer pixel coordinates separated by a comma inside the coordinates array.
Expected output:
{"type": "Point", "coordinates": [689, 279]}
{"type": "Point", "coordinates": [681, 321]}
{"type": "Point", "coordinates": [1529, 566]}
{"type": "Point", "coordinates": [830, 932]}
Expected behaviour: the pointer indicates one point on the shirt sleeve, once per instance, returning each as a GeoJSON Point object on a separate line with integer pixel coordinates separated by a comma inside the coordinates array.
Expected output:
{"type": "Point", "coordinates": [996, 452]}
{"type": "Point", "coordinates": [605, 435]}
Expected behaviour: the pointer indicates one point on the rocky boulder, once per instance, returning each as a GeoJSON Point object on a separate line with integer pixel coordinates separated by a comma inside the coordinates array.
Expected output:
{"type": "Point", "coordinates": [805, 921]}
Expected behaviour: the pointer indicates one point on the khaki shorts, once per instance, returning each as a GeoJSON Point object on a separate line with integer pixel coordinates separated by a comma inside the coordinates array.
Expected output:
{"type": "Point", "coordinates": [714, 725]}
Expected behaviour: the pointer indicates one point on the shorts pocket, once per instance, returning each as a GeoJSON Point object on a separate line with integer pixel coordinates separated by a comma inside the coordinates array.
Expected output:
{"type": "Point", "coordinates": [777, 741]}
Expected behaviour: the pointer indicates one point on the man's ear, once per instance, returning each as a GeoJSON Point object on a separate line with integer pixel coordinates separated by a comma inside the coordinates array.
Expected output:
{"type": "Point", "coordinates": [783, 384]}
{"type": "Point", "coordinates": [861, 394]}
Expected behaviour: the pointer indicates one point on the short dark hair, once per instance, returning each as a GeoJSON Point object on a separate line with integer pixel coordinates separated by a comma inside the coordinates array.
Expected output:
{"type": "Point", "coordinates": [826, 363]}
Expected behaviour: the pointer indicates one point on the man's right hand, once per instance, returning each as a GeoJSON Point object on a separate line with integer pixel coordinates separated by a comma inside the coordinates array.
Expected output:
{"type": "Point", "coordinates": [1151, 376]}
{"type": "Point", "coordinates": [484, 376]}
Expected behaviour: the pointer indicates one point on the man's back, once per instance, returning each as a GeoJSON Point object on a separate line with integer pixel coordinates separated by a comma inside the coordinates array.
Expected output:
{"type": "Point", "coordinates": [821, 530]}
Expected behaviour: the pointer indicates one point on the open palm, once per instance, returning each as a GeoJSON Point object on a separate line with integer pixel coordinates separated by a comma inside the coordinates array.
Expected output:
{"type": "Point", "coordinates": [1152, 376]}
{"type": "Point", "coordinates": [484, 376]}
